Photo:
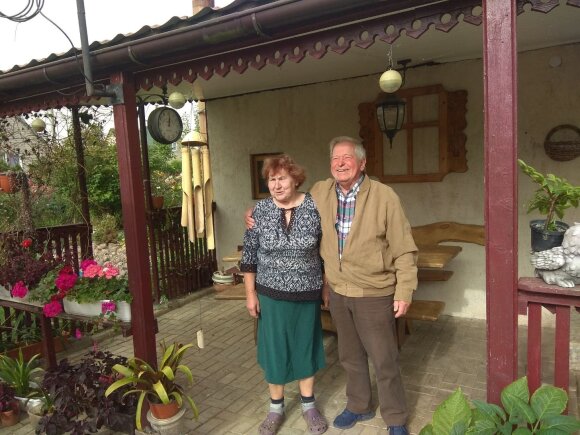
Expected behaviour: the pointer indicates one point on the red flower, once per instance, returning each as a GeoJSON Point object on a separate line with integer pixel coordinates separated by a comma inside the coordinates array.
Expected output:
{"type": "Point", "coordinates": [52, 309]}
{"type": "Point", "coordinates": [26, 243]}
{"type": "Point", "coordinates": [19, 290]}
{"type": "Point", "coordinates": [65, 282]}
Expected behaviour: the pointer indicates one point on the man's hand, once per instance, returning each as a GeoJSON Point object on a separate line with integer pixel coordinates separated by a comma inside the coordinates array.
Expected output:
{"type": "Point", "coordinates": [248, 219]}
{"type": "Point", "coordinates": [401, 308]}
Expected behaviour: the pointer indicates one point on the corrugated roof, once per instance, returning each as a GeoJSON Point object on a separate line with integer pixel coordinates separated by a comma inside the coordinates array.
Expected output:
{"type": "Point", "coordinates": [206, 14]}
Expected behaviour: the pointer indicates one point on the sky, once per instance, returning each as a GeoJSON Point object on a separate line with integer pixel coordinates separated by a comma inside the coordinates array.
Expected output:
{"type": "Point", "coordinates": [38, 38]}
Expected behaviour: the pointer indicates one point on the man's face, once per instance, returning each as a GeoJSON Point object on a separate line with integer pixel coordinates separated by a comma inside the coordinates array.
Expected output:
{"type": "Point", "coordinates": [344, 165]}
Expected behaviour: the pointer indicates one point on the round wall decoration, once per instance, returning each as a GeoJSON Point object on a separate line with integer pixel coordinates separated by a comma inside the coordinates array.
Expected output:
{"type": "Point", "coordinates": [563, 143]}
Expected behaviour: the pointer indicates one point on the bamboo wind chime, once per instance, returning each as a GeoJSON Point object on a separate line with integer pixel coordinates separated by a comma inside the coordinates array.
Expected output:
{"type": "Point", "coordinates": [197, 197]}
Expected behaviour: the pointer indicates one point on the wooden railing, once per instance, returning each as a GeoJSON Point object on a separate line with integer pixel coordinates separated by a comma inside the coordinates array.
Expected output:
{"type": "Point", "coordinates": [533, 294]}
{"type": "Point", "coordinates": [179, 267]}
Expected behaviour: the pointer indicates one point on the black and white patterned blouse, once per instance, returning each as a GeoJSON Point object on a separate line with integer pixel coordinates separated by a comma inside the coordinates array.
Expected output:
{"type": "Point", "coordinates": [286, 259]}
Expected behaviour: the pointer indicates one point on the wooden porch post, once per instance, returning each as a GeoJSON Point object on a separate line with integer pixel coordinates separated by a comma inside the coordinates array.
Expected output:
{"type": "Point", "coordinates": [133, 204]}
{"type": "Point", "coordinates": [500, 142]}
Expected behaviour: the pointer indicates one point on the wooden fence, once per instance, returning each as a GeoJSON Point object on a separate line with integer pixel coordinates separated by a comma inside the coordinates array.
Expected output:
{"type": "Point", "coordinates": [179, 267]}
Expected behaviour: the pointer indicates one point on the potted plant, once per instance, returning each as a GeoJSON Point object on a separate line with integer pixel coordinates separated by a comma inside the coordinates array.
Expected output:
{"type": "Point", "coordinates": [23, 376]}
{"type": "Point", "coordinates": [9, 413]}
{"type": "Point", "coordinates": [519, 414]}
{"type": "Point", "coordinates": [553, 196]}
{"type": "Point", "coordinates": [38, 407]}
{"type": "Point", "coordinates": [79, 404]}
{"type": "Point", "coordinates": [159, 386]}
{"type": "Point", "coordinates": [98, 290]}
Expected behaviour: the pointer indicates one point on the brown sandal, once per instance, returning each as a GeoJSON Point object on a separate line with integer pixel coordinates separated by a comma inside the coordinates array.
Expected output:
{"type": "Point", "coordinates": [315, 421]}
{"type": "Point", "coordinates": [271, 424]}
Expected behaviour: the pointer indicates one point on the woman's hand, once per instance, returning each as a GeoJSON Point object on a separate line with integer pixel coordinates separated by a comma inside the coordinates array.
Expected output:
{"type": "Point", "coordinates": [252, 304]}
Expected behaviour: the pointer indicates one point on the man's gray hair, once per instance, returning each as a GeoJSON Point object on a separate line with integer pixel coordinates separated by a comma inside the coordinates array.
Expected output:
{"type": "Point", "coordinates": [359, 150]}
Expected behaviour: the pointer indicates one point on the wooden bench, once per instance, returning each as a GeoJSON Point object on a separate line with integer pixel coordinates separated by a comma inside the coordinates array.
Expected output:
{"type": "Point", "coordinates": [428, 237]}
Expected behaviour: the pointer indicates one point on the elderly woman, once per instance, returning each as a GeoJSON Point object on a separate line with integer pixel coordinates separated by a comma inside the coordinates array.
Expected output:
{"type": "Point", "coordinates": [283, 279]}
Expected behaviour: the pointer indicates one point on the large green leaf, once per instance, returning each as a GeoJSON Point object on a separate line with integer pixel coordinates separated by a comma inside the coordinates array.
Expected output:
{"type": "Point", "coordinates": [427, 430]}
{"type": "Point", "coordinates": [159, 389]}
{"type": "Point", "coordinates": [489, 411]}
{"type": "Point", "coordinates": [520, 411]}
{"type": "Point", "coordinates": [513, 395]}
{"type": "Point", "coordinates": [548, 401]}
{"type": "Point", "coordinates": [563, 423]}
{"type": "Point", "coordinates": [453, 410]}
{"type": "Point", "coordinates": [483, 427]}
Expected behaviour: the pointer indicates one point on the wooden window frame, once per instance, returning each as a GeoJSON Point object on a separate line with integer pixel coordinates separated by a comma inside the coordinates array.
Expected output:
{"type": "Point", "coordinates": [450, 123]}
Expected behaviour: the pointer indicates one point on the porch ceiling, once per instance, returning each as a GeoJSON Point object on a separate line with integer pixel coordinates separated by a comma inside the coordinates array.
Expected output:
{"type": "Point", "coordinates": [535, 30]}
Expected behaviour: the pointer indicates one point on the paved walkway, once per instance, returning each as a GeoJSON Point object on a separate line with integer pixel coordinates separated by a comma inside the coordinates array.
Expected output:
{"type": "Point", "coordinates": [232, 395]}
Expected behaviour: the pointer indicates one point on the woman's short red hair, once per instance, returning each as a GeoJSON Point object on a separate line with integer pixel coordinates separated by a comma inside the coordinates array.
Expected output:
{"type": "Point", "coordinates": [284, 162]}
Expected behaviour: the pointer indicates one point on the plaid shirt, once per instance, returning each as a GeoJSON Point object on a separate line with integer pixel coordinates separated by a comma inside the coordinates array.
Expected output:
{"type": "Point", "coordinates": [345, 212]}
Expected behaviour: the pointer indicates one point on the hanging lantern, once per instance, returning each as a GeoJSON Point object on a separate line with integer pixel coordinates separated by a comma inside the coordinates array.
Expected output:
{"type": "Point", "coordinates": [391, 114]}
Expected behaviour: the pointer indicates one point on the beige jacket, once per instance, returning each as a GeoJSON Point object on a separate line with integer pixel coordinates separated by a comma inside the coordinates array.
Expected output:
{"type": "Point", "coordinates": [379, 256]}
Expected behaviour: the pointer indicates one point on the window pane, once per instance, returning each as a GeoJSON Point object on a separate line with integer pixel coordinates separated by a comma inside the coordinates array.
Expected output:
{"type": "Point", "coordinates": [395, 158]}
{"type": "Point", "coordinates": [426, 150]}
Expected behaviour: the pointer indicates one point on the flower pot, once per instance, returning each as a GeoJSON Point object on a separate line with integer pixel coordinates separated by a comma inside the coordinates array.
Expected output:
{"type": "Point", "coordinates": [10, 417]}
{"type": "Point", "coordinates": [85, 309]}
{"type": "Point", "coordinates": [29, 350]}
{"type": "Point", "coordinates": [157, 202]}
{"type": "Point", "coordinates": [6, 184]}
{"type": "Point", "coordinates": [124, 311]}
{"type": "Point", "coordinates": [169, 426]}
{"type": "Point", "coordinates": [545, 239]}
{"type": "Point", "coordinates": [164, 411]}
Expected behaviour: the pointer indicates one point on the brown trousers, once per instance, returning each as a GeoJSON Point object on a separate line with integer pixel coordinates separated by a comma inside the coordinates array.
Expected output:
{"type": "Point", "coordinates": [365, 329]}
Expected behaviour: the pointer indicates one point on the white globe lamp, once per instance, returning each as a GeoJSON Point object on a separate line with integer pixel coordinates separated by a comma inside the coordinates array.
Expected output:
{"type": "Point", "coordinates": [38, 125]}
{"type": "Point", "coordinates": [176, 100]}
{"type": "Point", "coordinates": [390, 81]}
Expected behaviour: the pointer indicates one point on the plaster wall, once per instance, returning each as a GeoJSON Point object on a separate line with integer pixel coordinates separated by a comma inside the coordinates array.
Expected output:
{"type": "Point", "coordinates": [302, 120]}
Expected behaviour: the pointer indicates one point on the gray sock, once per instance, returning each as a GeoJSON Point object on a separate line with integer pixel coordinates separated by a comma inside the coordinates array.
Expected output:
{"type": "Point", "coordinates": [277, 405]}
{"type": "Point", "coordinates": [307, 403]}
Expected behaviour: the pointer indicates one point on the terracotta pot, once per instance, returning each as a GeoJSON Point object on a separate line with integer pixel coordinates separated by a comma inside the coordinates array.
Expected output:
{"type": "Point", "coordinates": [11, 417]}
{"type": "Point", "coordinates": [161, 411]}
{"type": "Point", "coordinates": [5, 183]}
{"type": "Point", "coordinates": [157, 202]}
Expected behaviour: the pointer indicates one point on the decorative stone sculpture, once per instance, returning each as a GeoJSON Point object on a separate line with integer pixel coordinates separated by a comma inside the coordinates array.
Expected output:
{"type": "Point", "coordinates": [560, 265]}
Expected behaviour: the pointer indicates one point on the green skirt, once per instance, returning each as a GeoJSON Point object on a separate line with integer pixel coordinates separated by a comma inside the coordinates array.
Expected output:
{"type": "Point", "coordinates": [289, 340]}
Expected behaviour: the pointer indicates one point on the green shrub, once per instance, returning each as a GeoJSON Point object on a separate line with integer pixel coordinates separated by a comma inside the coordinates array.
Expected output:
{"type": "Point", "coordinates": [540, 414]}
{"type": "Point", "coordinates": [105, 229]}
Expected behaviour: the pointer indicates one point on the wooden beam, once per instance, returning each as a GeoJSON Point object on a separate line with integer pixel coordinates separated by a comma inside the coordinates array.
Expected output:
{"type": "Point", "coordinates": [500, 177]}
{"type": "Point", "coordinates": [133, 204]}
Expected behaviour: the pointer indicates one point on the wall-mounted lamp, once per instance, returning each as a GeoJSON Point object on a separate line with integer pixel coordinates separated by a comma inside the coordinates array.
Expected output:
{"type": "Point", "coordinates": [391, 112]}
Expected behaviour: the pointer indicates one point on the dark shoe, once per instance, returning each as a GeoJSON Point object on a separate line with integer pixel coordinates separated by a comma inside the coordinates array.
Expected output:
{"type": "Point", "coordinates": [398, 430]}
{"type": "Point", "coordinates": [271, 424]}
{"type": "Point", "coordinates": [347, 419]}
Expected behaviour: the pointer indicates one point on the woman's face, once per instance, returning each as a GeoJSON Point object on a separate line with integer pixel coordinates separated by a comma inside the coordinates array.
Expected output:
{"type": "Point", "coordinates": [282, 186]}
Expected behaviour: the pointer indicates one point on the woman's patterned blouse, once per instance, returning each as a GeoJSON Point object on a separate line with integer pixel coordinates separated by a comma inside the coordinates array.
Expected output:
{"type": "Point", "coordinates": [285, 258]}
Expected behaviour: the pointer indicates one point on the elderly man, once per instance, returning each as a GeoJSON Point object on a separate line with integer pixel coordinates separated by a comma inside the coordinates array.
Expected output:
{"type": "Point", "coordinates": [370, 266]}
{"type": "Point", "coordinates": [370, 262]}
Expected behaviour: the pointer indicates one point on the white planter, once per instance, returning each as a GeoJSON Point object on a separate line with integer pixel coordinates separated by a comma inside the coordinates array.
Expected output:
{"type": "Point", "coordinates": [92, 309]}
{"type": "Point", "coordinates": [168, 426]}
{"type": "Point", "coordinates": [5, 294]}
{"type": "Point", "coordinates": [86, 309]}
{"type": "Point", "coordinates": [124, 311]}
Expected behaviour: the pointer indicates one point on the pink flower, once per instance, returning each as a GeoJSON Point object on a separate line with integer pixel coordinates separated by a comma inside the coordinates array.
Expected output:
{"type": "Point", "coordinates": [26, 243]}
{"type": "Point", "coordinates": [19, 290]}
{"type": "Point", "coordinates": [65, 282]}
{"type": "Point", "coordinates": [92, 270]}
{"type": "Point", "coordinates": [108, 306]}
{"type": "Point", "coordinates": [87, 263]}
{"type": "Point", "coordinates": [110, 271]}
{"type": "Point", "coordinates": [52, 309]}
{"type": "Point", "coordinates": [78, 334]}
